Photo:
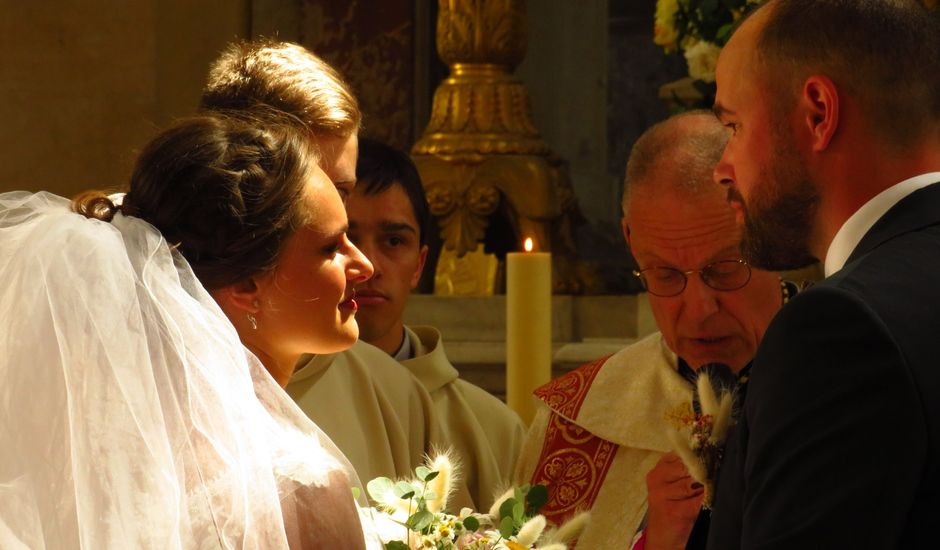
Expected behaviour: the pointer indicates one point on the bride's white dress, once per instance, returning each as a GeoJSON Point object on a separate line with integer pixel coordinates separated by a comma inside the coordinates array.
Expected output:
{"type": "Point", "coordinates": [130, 414]}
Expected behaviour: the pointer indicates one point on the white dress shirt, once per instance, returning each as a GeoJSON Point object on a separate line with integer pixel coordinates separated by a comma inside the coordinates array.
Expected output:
{"type": "Point", "coordinates": [858, 224]}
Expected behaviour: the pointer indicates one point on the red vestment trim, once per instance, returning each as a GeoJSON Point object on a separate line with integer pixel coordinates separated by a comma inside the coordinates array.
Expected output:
{"type": "Point", "coordinates": [573, 462]}
{"type": "Point", "coordinates": [566, 394]}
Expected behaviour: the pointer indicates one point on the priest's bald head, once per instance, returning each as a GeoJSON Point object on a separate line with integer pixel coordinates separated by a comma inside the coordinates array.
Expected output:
{"type": "Point", "coordinates": [710, 306]}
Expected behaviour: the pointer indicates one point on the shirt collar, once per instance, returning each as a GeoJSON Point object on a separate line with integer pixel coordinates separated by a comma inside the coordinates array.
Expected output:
{"type": "Point", "coordinates": [854, 228]}
{"type": "Point", "coordinates": [405, 350]}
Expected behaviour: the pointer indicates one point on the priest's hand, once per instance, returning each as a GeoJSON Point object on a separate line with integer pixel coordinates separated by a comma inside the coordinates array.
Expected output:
{"type": "Point", "coordinates": [674, 503]}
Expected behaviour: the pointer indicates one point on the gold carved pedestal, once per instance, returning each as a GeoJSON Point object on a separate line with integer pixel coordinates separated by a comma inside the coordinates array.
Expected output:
{"type": "Point", "coordinates": [481, 156]}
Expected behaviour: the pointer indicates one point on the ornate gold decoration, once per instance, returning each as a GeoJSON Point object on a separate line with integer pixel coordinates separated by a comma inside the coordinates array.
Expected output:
{"type": "Point", "coordinates": [481, 31]}
{"type": "Point", "coordinates": [481, 155]}
{"type": "Point", "coordinates": [472, 275]}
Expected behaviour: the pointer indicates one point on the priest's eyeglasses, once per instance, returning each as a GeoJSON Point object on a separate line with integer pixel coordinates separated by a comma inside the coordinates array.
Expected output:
{"type": "Point", "coordinates": [667, 281]}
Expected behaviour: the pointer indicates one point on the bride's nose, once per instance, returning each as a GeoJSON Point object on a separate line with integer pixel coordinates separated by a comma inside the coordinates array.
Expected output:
{"type": "Point", "coordinates": [359, 268]}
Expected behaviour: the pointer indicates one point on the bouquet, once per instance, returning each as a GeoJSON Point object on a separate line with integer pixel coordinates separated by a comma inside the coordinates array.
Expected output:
{"type": "Point", "coordinates": [699, 437]}
{"type": "Point", "coordinates": [411, 515]}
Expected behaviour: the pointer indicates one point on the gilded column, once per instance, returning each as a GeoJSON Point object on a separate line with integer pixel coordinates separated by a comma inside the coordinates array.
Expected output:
{"type": "Point", "coordinates": [481, 155]}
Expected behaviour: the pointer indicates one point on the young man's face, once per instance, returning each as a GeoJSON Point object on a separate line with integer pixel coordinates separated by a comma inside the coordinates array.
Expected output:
{"type": "Point", "coordinates": [384, 227]}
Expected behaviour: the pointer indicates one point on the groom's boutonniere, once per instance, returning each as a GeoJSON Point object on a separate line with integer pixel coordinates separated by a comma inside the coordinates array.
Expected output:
{"type": "Point", "coordinates": [699, 435]}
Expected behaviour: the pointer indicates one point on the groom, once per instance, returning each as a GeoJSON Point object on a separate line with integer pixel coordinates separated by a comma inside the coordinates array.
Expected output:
{"type": "Point", "coordinates": [833, 108]}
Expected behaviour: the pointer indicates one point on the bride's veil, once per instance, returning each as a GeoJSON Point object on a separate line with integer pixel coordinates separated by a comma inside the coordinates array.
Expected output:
{"type": "Point", "coordinates": [130, 414]}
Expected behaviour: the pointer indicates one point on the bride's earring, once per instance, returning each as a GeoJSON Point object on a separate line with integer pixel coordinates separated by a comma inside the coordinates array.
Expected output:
{"type": "Point", "coordinates": [251, 318]}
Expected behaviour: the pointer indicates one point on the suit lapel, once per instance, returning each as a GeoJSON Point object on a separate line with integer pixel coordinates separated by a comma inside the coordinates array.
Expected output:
{"type": "Point", "coordinates": [918, 210]}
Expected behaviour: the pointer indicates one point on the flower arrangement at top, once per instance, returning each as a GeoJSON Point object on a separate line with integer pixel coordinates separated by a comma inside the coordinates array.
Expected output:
{"type": "Point", "coordinates": [698, 28]}
{"type": "Point", "coordinates": [410, 515]}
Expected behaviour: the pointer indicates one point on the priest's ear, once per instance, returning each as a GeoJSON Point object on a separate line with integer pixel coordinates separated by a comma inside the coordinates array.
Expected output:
{"type": "Point", "coordinates": [626, 230]}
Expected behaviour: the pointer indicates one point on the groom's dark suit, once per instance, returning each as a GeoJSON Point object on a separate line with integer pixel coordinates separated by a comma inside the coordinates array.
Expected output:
{"type": "Point", "coordinates": [839, 446]}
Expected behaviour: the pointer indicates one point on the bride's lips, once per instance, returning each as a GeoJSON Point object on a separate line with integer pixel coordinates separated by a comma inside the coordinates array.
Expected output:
{"type": "Point", "coordinates": [350, 303]}
{"type": "Point", "coordinates": [370, 297]}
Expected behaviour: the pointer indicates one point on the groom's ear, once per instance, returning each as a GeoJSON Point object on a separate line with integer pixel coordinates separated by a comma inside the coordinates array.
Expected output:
{"type": "Point", "coordinates": [820, 109]}
{"type": "Point", "coordinates": [243, 296]}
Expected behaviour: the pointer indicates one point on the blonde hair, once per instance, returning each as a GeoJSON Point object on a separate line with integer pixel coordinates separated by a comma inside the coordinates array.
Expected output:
{"type": "Point", "coordinates": [287, 77]}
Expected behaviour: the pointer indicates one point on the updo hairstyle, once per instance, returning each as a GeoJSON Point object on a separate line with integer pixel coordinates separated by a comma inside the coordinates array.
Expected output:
{"type": "Point", "coordinates": [225, 189]}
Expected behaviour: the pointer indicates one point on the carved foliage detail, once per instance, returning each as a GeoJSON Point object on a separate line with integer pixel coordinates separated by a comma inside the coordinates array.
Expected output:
{"type": "Point", "coordinates": [481, 117]}
{"type": "Point", "coordinates": [463, 206]}
{"type": "Point", "coordinates": [481, 31]}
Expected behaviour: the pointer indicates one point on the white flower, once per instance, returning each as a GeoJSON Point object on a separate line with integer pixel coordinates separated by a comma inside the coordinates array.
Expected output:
{"type": "Point", "coordinates": [702, 58]}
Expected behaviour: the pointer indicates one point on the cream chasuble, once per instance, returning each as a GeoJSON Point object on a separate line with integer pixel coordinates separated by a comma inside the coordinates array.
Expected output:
{"type": "Point", "coordinates": [487, 435]}
{"type": "Point", "coordinates": [598, 431]}
{"type": "Point", "coordinates": [374, 410]}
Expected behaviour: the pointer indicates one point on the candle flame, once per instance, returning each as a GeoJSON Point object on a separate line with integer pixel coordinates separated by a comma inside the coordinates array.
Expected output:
{"type": "Point", "coordinates": [528, 244]}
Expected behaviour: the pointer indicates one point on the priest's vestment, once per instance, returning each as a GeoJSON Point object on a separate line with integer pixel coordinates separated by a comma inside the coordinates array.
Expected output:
{"type": "Point", "coordinates": [486, 434]}
{"type": "Point", "coordinates": [598, 431]}
{"type": "Point", "coordinates": [374, 410]}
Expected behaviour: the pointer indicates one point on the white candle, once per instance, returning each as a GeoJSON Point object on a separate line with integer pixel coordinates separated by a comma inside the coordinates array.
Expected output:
{"type": "Point", "coordinates": [528, 327]}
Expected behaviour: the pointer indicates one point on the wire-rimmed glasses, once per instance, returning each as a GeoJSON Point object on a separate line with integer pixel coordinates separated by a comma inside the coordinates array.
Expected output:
{"type": "Point", "coordinates": [721, 275]}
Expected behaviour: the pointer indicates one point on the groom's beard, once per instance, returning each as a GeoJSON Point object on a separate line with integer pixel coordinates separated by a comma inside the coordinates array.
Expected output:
{"type": "Point", "coordinates": [778, 225]}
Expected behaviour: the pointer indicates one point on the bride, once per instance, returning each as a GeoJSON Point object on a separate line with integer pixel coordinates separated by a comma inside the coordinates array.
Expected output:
{"type": "Point", "coordinates": [133, 416]}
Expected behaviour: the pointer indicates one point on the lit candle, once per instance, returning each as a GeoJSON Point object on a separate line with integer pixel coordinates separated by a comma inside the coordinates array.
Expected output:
{"type": "Point", "coordinates": [528, 327]}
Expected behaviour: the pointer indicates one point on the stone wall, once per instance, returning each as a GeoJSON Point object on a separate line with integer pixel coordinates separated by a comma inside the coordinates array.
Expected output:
{"type": "Point", "coordinates": [85, 83]}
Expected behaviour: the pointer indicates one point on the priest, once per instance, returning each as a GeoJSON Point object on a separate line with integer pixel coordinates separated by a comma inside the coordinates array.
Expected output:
{"type": "Point", "coordinates": [602, 428]}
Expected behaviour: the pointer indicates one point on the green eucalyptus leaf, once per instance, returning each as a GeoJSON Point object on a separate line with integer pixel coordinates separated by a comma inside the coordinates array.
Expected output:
{"type": "Point", "coordinates": [506, 527]}
{"type": "Point", "coordinates": [517, 513]}
{"type": "Point", "coordinates": [723, 34]}
{"type": "Point", "coordinates": [404, 490]}
{"type": "Point", "coordinates": [422, 471]}
{"type": "Point", "coordinates": [378, 487]}
{"type": "Point", "coordinates": [708, 6]}
{"type": "Point", "coordinates": [431, 476]}
{"type": "Point", "coordinates": [419, 521]}
{"type": "Point", "coordinates": [505, 509]}
{"type": "Point", "coordinates": [396, 545]}
{"type": "Point", "coordinates": [471, 523]}
{"type": "Point", "coordinates": [536, 498]}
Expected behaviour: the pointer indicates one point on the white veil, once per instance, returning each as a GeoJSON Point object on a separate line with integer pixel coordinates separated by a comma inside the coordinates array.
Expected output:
{"type": "Point", "coordinates": [130, 414]}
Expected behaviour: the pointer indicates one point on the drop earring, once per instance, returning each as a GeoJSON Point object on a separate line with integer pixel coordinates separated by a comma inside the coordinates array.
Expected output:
{"type": "Point", "coordinates": [253, 321]}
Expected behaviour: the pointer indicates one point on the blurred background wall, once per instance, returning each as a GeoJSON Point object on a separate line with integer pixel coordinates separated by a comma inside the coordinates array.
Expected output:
{"type": "Point", "coordinates": [85, 83]}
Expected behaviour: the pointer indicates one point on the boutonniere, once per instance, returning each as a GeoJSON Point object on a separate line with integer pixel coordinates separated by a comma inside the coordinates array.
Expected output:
{"type": "Point", "coordinates": [699, 435]}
